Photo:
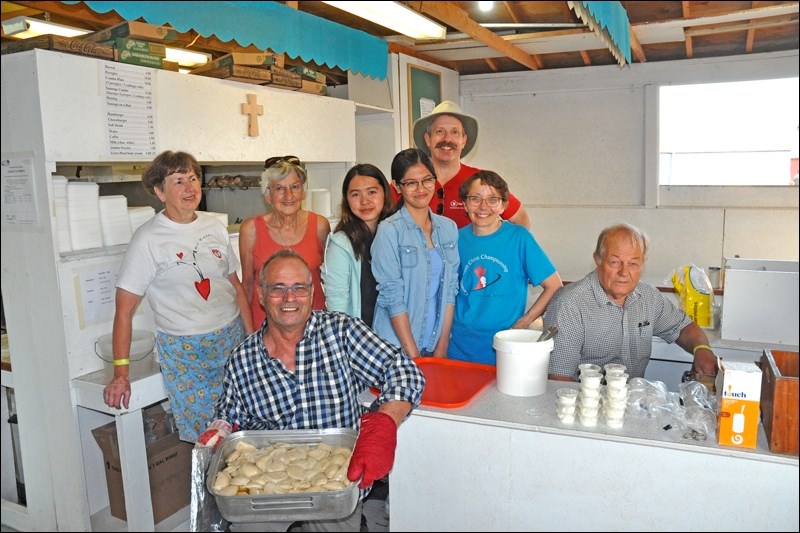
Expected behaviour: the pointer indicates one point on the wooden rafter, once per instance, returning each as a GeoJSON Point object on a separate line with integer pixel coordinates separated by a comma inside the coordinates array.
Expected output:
{"type": "Point", "coordinates": [451, 14]}
{"type": "Point", "coordinates": [686, 15]}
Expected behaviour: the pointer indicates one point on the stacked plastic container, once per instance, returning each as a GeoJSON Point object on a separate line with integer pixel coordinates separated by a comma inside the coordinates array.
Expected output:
{"type": "Point", "coordinates": [616, 395]}
{"type": "Point", "coordinates": [567, 404]}
{"type": "Point", "coordinates": [590, 393]}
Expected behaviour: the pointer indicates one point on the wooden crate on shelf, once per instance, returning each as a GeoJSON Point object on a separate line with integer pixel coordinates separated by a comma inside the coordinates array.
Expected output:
{"type": "Point", "coordinates": [137, 30]}
{"type": "Point", "coordinates": [254, 75]}
{"type": "Point", "coordinates": [246, 59]}
{"type": "Point", "coordinates": [779, 400]}
{"type": "Point", "coordinates": [285, 79]}
{"type": "Point", "coordinates": [60, 44]}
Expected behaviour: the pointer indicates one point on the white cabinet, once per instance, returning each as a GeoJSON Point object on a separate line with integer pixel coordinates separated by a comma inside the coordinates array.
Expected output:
{"type": "Point", "coordinates": [53, 113]}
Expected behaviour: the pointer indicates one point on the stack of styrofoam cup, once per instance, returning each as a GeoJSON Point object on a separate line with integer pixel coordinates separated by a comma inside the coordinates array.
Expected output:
{"type": "Point", "coordinates": [616, 397]}
{"type": "Point", "coordinates": [566, 404]}
{"type": "Point", "coordinates": [589, 396]}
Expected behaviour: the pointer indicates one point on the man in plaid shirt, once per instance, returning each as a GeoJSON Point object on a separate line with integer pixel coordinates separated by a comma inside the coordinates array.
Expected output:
{"type": "Point", "coordinates": [305, 369]}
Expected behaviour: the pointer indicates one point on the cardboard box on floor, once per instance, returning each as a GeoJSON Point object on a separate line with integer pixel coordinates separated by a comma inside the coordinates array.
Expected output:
{"type": "Point", "coordinates": [169, 461]}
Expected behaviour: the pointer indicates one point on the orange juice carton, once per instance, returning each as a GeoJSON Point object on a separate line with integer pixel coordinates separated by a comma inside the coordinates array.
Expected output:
{"type": "Point", "coordinates": [739, 394]}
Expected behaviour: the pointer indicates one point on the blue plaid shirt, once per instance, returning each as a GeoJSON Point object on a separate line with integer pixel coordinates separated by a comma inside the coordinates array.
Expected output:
{"type": "Point", "coordinates": [338, 357]}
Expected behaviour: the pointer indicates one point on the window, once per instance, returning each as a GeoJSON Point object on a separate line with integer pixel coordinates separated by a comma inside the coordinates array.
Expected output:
{"type": "Point", "coordinates": [740, 133]}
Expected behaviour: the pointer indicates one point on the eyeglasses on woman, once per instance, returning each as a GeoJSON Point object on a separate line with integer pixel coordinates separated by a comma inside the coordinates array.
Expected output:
{"type": "Point", "coordinates": [413, 185]}
{"type": "Point", "coordinates": [491, 201]}
{"type": "Point", "coordinates": [294, 188]}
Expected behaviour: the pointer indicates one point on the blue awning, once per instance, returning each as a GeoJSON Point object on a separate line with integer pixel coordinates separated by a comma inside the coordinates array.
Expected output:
{"type": "Point", "coordinates": [265, 25]}
{"type": "Point", "coordinates": [609, 21]}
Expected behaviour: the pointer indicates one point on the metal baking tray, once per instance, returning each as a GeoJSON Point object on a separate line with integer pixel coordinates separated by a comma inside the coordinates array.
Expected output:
{"type": "Point", "coordinates": [328, 505]}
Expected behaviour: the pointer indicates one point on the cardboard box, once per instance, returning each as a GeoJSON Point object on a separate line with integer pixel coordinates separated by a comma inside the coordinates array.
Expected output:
{"type": "Point", "coordinates": [779, 400]}
{"type": "Point", "coordinates": [169, 461]}
{"type": "Point", "coordinates": [139, 46]}
{"type": "Point", "coordinates": [285, 78]}
{"type": "Point", "coordinates": [313, 87]}
{"type": "Point", "coordinates": [254, 75]}
{"type": "Point", "coordinates": [260, 59]}
{"type": "Point", "coordinates": [739, 394]}
{"type": "Point", "coordinates": [60, 44]}
{"type": "Point", "coordinates": [309, 74]}
{"type": "Point", "coordinates": [138, 58]}
{"type": "Point", "coordinates": [137, 30]}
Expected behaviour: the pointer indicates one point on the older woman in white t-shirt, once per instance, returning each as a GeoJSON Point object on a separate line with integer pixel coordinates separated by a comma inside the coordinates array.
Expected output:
{"type": "Point", "coordinates": [182, 261]}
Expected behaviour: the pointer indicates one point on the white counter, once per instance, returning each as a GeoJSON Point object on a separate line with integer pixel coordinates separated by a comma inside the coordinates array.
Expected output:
{"type": "Point", "coordinates": [505, 463]}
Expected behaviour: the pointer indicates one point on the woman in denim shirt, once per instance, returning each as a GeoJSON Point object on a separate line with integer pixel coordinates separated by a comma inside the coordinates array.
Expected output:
{"type": "Point", "coordinates": [415, 262]}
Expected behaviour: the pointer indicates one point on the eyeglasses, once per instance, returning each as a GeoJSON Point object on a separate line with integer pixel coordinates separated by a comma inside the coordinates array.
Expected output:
{"type": "Point", "coordinates": [293, 159]}
{"type": "Point", "coordinates": [440, 205]}
{"type": "Point", "coordinates": [280, 291]}
{"type": "Point", "coordinates": [491, 201]}
{"type": "Point", "coordinates": [294, 188]}
{"type": "Point", "coordinates": [413, 185]}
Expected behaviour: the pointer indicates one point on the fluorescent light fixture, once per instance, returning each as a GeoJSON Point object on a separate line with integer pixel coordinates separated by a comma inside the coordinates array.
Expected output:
{"type": "Point", "coordinates": [187, 58]}
{"type": "Point", "coordinates": [396, 17]}
{"type": "Point", "coordinates": [24, 27]}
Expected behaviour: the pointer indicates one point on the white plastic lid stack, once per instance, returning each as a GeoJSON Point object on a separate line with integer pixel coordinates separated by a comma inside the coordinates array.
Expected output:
{"type": "Point", "coordinates": [115, 225]}
{"type": "Point", "coordinates": [62, 213]}
{"type": "Point", "coordinates": [139, 215]}
{"type": "Point", "coordinates": [84, 215]}
{"type": "Point", "coordinates": [222, 217]}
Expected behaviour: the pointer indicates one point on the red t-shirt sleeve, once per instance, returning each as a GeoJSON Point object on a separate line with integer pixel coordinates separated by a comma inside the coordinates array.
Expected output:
{"type": "Point", "coordinates": [513, 206]}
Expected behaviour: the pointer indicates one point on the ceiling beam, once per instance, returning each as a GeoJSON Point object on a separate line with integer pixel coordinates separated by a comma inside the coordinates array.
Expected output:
{"type": "Point", "coordinates": [714, 29]}
{"type": "Point", "coordinates": [452, 15]}
{"type": "Point", "coordinates": [398, 48]}
{"type": "Point", "coordinates": [688, 38]}
{"type": "Point", "coordinates": [636, 47]}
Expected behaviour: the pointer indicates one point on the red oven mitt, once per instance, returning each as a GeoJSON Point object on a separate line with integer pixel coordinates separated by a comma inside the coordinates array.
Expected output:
{"type": "Point", "coordinates": [373, 455]}
{"type": "Point", "coordinates": [215, 432]}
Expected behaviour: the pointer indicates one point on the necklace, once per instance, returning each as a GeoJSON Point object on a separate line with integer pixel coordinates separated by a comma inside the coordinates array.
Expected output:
{"type": "Point", "coordinates": [282, 240]}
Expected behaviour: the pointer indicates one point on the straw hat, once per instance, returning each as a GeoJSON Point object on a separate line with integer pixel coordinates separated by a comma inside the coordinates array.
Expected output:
{"type": "Point", "coordinates": [447, 107]}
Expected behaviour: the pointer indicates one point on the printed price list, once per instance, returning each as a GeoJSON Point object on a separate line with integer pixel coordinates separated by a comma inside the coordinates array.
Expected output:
{"type": "Point", "coordinates": [129, 109]}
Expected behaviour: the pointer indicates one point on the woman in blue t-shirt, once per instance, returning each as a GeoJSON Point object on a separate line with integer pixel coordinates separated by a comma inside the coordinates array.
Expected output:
{"type": "Point", "coordinates": [498, 261]}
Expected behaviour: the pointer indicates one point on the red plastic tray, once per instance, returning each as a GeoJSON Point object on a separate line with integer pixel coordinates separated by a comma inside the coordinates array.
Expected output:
{"type": "Point", "coordinates": [451, 383]}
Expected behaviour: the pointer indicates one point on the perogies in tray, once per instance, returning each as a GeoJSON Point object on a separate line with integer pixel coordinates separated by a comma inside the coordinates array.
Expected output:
{"type": "Point", "coordinates": [258, 476]}
{"type": "Point", "coordinates": [280, 468]}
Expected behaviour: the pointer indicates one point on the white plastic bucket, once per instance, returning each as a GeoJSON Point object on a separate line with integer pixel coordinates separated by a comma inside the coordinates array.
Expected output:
{"type": "Point", "coordinates": [522, 363]}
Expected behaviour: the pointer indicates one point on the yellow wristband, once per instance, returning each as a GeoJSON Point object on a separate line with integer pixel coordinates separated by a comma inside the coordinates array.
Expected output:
{"type": "Point", "coordinates": [123, 362]}
{"type": "Point", "coordinates": [706, 346]}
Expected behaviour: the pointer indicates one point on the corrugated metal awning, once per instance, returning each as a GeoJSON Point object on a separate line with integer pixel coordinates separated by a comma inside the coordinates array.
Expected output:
{"type": "Point", "coordinates": [266, 25]}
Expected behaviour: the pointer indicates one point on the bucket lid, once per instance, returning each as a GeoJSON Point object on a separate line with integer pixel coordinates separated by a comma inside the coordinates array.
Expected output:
{"type": "Point", "coordinates": [520, 340]}
{"type": "Point", "coordinates": [142, 344]}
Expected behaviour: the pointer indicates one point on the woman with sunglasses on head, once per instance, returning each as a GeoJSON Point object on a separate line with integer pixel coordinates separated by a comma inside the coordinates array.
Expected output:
{"type": "Point", "coordinates": [287, 226]}
{"type": "Point", "coordinates": [415, 262]}
{"type": "Point", "coordinates": [498, 261]}
{"type": "Point", "coordinates": [347, 276]}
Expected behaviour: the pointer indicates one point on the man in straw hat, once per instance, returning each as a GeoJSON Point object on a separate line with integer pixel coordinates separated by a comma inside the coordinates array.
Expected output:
{"type": "Point", "coordinates": [447, 135]}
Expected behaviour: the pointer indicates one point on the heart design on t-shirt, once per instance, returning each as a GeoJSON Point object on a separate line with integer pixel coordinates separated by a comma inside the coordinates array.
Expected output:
{"type": "Point", "coordinates": [203, 287]}
{"type": "Point", "coordinates": [180, 255]}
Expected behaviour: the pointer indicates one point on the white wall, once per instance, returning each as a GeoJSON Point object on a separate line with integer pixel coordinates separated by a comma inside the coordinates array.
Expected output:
{"type": "Point", "coordinates": [579, 146]}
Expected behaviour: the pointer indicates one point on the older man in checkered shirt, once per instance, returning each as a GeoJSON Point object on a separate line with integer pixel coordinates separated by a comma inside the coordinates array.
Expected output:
{"type": "Point", "coordinates": [610, 316]}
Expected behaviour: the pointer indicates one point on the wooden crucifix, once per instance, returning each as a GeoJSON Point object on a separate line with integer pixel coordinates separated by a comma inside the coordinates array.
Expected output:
{"type": "Point", "coordinates": [252, 110]}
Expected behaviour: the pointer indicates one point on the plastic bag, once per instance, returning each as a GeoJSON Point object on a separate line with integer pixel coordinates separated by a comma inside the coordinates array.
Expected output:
{"type": "Point", "coordinates": [696, 294]}
{"type": "Point", "coordinates": [688, 414]}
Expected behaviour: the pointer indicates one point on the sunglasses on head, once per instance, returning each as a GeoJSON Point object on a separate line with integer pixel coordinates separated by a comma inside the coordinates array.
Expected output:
{"type": "Point", "coordinates": [293, 159]}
